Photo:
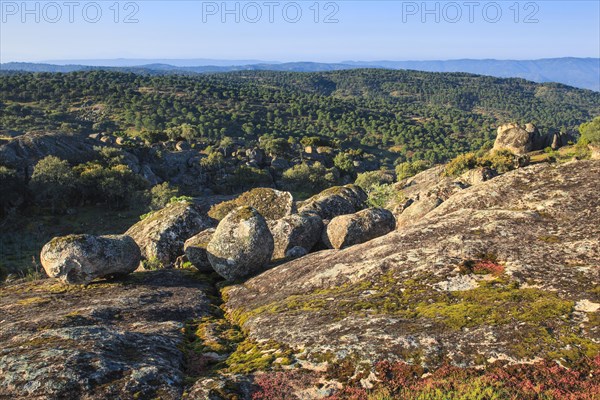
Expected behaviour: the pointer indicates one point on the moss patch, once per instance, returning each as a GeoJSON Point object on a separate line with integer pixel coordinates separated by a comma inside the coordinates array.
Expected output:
{"type": "Point", "coordinates": [267, 202]}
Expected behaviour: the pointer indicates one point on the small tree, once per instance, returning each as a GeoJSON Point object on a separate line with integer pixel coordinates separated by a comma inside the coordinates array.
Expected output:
{"type": "Point", "coordinates": [53, 183]}
{"type": "Point", "coordinates": [344, 163]}
{"type": "Point", "coordinates": [161, 194]}
{"type": "Point", "coordinates": [590, 131]}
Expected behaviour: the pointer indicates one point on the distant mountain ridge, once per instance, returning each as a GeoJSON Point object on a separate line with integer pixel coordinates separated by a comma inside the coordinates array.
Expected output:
{"type": "Point", "coordinates": [577, 72]}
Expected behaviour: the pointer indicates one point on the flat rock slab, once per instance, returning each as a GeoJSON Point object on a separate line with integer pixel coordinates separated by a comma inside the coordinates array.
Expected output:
{"type": "Point", "coordinates": [107, 340]}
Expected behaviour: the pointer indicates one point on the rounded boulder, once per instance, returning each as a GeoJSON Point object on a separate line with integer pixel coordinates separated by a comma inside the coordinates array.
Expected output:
{"type": "Point", "coordinates": [241, 245]}
{"type": "Point", "coordinates": [79, 259]}
{"type": "Point", "coordinates": [351, 229]}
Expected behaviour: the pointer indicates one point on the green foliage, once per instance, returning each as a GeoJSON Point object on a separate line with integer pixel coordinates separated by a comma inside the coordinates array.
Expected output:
{"type": "Point", "coordinates": [13, 189]}
{"type": "Point", "coordinates": [426, 116]}
{"type": "Point", "coordinates": [590, 131]}
{"type": "Point", "coordinates": [214, 161]}
{"type": "Point", "coordinates": [245, 177]}
{"type": "Point", "coordinates": [115, 185]}
{"type": "Point", "coordinates": [308, 178]}
{"type": "Point", "coordinates": [380, 195]}
{"type": "Point", "coordinates": [461, 164]}
{"type": "Point", "coordinates": [344, 163]}
{"type": "Point", "coordinates": [408, 169]}
{"type": "Point", "coordinates": [499, 160]}
{"type": "Point", "coordinates": [275, 146]}
{"type": "Point", "coordinates": [161, 194]}
{"type": "Point", "coordinates": [367, 180]}
{"type": "Point", "coordinates": [152, 264]}
{"type": "Point", "coordinates": [53, 183]}
{"type": "Point", "coordinates": [181, 199]}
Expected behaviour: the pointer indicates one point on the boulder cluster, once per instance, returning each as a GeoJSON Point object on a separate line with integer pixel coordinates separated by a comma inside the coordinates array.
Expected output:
{"type": "Point", "coordinates": [246, 235]}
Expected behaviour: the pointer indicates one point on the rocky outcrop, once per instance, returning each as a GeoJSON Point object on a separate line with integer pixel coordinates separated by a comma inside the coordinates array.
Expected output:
{"type": "Point", "coordinates": [481, 278]}
{"type": "Point", "coordinates": [523, 139]}
{"type": "Point", "coordinates": [241, 245]}
{"type": "Point", "coordinates": [161, 235]}
{"type": "Point", "coordinates": [270, 203]}
{"type": "Point", "coordinates": [351, 229]}
{"type": "Point", "coordinates": [424, 192]}
{"type": "Point", "coordinates": [26, 150]}
{"type": "Point", "coordinates": [114, 340]}
{"type": "Point", "coordinates": [79, 259]}
{"type": "Point", "coordinates": [195, 250]}
{"type": "Point", "coordinates": [338, 200]}
{"type": "Point", "coordinates": [298, 230]}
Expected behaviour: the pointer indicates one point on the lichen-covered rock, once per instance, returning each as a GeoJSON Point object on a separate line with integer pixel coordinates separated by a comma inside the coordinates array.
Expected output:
{"type": "Point", "coordinates": [109, 340]}
{"type": "Point", "coordinates": [481, 278]}
{"type": "Point", "coordinates": [296, 252]}
{"type": "Point", "coordinates": [161, 235]}
{"type": "Point", "coordinates": [477, 176]}
{"type": "Point", "coordinates": [270, 203]}
{"type": "Point", "coordinates": [348, 230]}
{"type": "Point", "coordinates": [338, 200]}
{"type": "Point", "coordinates": [242, 244]}
{"type": "Point", "coordinates": [195, 250]}
{"type": "Point", "coordinates": [302, 230]}
{"type": "Point", "coordinates": [424, 192]}
{"type": "Point", "coordinates": [79, 259]}
{"type": "Point", "coordinates": [521, 139]}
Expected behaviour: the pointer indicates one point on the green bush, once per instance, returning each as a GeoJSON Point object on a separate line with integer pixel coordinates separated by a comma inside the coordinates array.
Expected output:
{"type": "Point", "coordinates": [161, 194]}
{"type": "Point", "coordinates": [367, 180]}
{"type": "Point", "coordinates": [343, 162]}
{"type": "Point", "coordinates": [461, 164]}
{"type": "Point", "coordinates": [53, 183]}
{"type": "Point", "coordinates": [590, 131]}
{"type": "Point", "coordinates": [499, 160]}
{"type": "Point", "coordinates": [308, 178]}
{"type": "Point", "coordinates": [245, 177]}
{"type": "Point", "coordinates": [408, 169]}
{"type": "Point", "coordinates": [382, 195]}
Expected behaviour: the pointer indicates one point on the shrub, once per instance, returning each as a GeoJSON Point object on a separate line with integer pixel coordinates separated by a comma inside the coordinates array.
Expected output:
{"type": "Point", "coordinates": [499, 160]}
{"type": "Point", "coordinates": [461, 164]}
{"type": "Point", "coordinates": [590, 131]}
{"type": "Point", "coordinates": [343, 162]}
{"type": "Point", "coordinates": [408, 169]}
{"type": "Point", "coordinates": [308, 178]}
{"type": "Point", "coordinates": [215, 160]}
{"type": "Point", "coordinates": [53, 183]}
{"type": "Point", "coordinates": [161, 194]}
{"type": "Point", "coordinates": [380, 195]}
{"type": "Point", "coordinates": [367, 180]}
{"type": "Point", "coordinates": [245, 177]}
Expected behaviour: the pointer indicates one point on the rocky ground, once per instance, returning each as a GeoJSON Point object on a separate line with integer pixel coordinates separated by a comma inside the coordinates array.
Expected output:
{"type": "Point", "coordinates": [503, 270]}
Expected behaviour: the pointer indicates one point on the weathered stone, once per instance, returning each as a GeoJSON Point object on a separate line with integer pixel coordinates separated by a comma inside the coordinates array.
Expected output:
{"type": "Point", "coordinates": [403, 295]}
{"type": "Point", "coordinates": [161, 235]}
{"type": "Point", "coordinates": [79, 259]}
{"type": "Point", "coordinates": [296, 252]}
{"type": "Point", "coordinates": [112, 340]}
{"type": "Point", "coordinates": [424, 192]}
{"type": "Point", "coordinates": [195, 250]}
{"type": "Point", "coordinates": [242, 244]}
{"type": "Point", "coordinates": [351, 229]}
{"type": "Point", "coordinates": [302, 230]}
{"type": "Point", "coordinates": [477, 176]}
{"type": "Point", "coordinates": [270, 203]}
{"type": "Point", "coordinates": [521, 139]}
{"type": "Point", "coordinates": [338, 200]}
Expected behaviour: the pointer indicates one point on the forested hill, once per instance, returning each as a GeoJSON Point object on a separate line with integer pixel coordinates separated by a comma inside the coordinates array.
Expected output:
{"type": "Point", "coordinates": [415, 114]}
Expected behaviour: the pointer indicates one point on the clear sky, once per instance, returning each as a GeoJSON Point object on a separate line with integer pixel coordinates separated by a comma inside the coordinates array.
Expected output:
{"type": "Point", "coordinates": [294, 31]}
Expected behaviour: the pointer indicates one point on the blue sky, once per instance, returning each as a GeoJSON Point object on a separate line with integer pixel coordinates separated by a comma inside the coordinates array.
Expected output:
{"type": "Point", "coordinates": [365, 30]}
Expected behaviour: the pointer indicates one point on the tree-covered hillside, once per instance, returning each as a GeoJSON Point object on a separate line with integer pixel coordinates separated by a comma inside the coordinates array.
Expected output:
{"type": "Point", "coordinates": [417, 115]}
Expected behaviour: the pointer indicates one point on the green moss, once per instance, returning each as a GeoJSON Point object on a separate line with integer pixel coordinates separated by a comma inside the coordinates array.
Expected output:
{"type": "Point", "coordinates": [264, 200]}
{"type": "Point", "coordinates": [33, 301]}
